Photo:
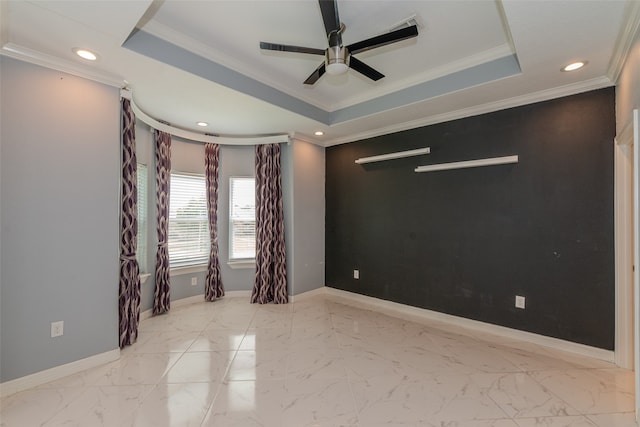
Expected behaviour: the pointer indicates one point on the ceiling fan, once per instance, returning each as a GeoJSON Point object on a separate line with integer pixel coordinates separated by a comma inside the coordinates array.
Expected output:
{"type": "Point", "coordinates": [337, 57]}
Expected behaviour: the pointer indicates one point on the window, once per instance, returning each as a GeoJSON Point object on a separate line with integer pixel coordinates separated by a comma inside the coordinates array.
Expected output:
{"type": "Point", "coordinates": [242, 218]}
{"type": "Point", "coordinates": [141, 253]}
{"type": "Point", "coordinates": [188, 224]}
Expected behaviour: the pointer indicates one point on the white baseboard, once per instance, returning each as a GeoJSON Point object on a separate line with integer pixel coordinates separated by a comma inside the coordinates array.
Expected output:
{"type": "Point", "coordinates": [177, 303]}
{"type": "Point", "coordinates": [417, 314]}
{"type": "Point", "coordinates": [308, 294]}
{"type": "Point", "coordinates": [389, 307]}
{"type": "Point", "coordinates": [237, 294]}
{"type": "Point", "coordinates": [422, 314]}
{"type": "Point", "coordinates": [195, 299]}
{"type": "Point", "coordinates": [43, 377]}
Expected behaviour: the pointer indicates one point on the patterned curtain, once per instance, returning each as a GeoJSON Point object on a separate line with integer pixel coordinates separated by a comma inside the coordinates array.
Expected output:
{"type": "Point", "coordinates": [129, 291]}
{"type": "Point", "coordinates": [161, 302]}
{"type": "Point", "coordinates": [213, 287]}
{"type": "Point", "coordinates": [271, 270]}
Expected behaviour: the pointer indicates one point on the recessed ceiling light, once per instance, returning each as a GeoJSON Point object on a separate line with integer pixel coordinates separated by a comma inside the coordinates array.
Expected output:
{"type": "Point", "coordinates": [85, 54]}
{"type": "Point", "coordinates": [203, 124]}
{"type": "Point", "coordinates": [574, 66]}
{"type": "Point", "coordinates": [318, 133]}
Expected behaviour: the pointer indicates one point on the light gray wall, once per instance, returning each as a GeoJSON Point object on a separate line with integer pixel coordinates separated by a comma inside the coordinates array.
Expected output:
{"type": "Point", "coordinates": [627, 99]}
{"type": "Point", "coordinates": [59, 190]}
{"type": "Point", "coordinates": [308, 217]}
{"type": "Point", "coordinates": [628, 87]}
{"type": "Point", "coordinates": [234, 161]}
{"type": "Point", "coordinates": [188, 156]}
{"type": "Point", "coordinates": [59, 182]}
{"type": "Point", "coordinates": [303, 172]}
{"type": "Point", "coordinates": [303, 179]}
{"type": "Point", "coordinates": [287, 165]}
{"type": "Point", "coordinates": [145, 155]}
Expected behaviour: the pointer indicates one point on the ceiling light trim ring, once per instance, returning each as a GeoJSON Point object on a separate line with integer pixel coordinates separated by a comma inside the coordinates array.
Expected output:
{"type": "Point", "coordinates": [574, 66]}
{"type": "Point", "coordinates": [86, 54]}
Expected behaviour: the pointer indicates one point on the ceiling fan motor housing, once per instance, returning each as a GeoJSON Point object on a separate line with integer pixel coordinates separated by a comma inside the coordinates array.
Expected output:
{"type": "Point", "coordinates": [337, 59]}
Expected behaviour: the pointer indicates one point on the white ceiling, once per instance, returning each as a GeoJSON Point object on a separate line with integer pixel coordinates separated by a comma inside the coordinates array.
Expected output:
{"type": "Point", "coordinates": [187, 61]}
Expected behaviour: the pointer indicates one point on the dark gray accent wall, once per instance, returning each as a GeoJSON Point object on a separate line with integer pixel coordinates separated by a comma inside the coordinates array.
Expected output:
{"type": "Point", "coordinates": [466, 242]}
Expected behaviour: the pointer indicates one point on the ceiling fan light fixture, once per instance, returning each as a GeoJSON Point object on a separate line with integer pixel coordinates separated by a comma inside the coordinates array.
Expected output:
{"type": "Point", "coordinates": [337, 60]}
{"type": "Point", "coordinates": [337, 68]}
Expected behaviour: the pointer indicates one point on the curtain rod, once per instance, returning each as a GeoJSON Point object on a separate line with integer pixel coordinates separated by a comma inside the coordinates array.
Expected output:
{"type": "Point", "coordinates": [198, 137]}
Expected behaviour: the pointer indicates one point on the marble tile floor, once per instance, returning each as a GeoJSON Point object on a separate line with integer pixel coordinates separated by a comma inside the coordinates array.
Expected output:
{"type": "Point", "coordinates": [324, 361]}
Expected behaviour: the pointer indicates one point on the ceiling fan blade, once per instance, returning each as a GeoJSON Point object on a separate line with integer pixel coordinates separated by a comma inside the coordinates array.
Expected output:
{"type": "Point", "coordinates": [289, 48]}
{"type": "Point", "coordinates": [364, 69]}
{"type": "Point", "coordinates": [384, 39]}
{"type": "Point", "coordinates": [329, 10]}
{"type": "Point", "coordinates": [315, 75]}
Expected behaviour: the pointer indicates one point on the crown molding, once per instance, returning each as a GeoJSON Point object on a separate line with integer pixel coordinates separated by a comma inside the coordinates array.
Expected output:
{"type": "Point", "coordinates": [202, 137]}
{"type": "Point", "coordinates": [517, 101]}
{"type": "Point", "coordinates": [626, 36]}
{"type": "Point", "coordinates": [32, 56]}
{"type": "Point", "coordinates": [305, 138]}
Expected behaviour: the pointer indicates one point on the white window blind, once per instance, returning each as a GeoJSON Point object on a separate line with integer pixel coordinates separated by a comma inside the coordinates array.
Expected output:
{"type": "Point", "coordinates": [242, 218]}
{"type": "Point", "coordinates": [188, 225]}
{"type": "Point", "coordinates": [141, 253]}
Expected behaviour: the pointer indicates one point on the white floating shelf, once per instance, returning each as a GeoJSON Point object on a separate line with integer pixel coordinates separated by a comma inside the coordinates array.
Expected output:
{"type": "Point", "coordinates": [468, 164]}
{"type": "Point", "coordinates": [391, 156]}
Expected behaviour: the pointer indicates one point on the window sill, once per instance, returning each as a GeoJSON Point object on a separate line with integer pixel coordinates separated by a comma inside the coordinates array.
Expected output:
{"type": "Point", "coordinates": [144, 277]}
{"type": "Point", "coordinates": [177, 271]}
{"type": "Point", "coordinates": [240, 264]}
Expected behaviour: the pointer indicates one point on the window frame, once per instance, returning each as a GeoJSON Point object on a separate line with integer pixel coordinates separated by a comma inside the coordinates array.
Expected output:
{"type": "Point", "coordinates": [239, 262]}
{"type": "Point", "coordinates": [196, 262]}
{"type": "Point", "coordinates": [142, 237]}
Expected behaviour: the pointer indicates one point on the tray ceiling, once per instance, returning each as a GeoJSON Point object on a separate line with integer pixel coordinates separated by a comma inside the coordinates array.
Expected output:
{"type": "Point", "coordinates": [188, 61]}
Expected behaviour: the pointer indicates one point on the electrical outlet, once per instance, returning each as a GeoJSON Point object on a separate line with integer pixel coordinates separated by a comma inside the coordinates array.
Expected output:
{"type": "Point", "coordinates": [57, 329]}
{"type": "Point", "coordinates": [520, 301]}
{"type": "Point", "coordinates": [356, 274]}
{"type": "Point", "coordinates": [194, 281]}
